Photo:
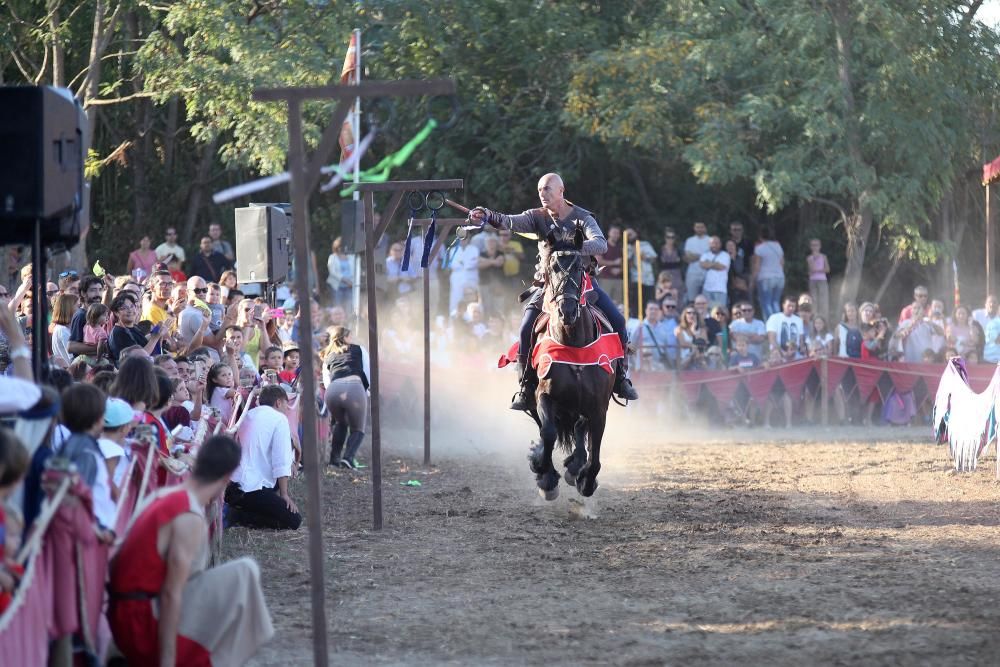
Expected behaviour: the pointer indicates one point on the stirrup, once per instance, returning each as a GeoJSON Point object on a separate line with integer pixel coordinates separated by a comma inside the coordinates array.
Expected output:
{"type": "Point", "coordinates": [625, 390]}
{"type": "Point", "coordinates": [521, 400]}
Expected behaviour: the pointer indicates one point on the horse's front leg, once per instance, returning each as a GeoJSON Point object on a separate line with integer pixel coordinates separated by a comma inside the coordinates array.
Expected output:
{"type": "Point", "coordinates": [545, 473]}
{"type": "Point", "coordinates": [578, 458]}
{"type": "Point", "coordinates": [586, 482]}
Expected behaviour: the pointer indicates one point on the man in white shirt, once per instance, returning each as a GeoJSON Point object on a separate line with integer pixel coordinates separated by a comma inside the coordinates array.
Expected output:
{"type": "Point", "coordinates": [987, 312]}
{"type": "Point", "coordinates": [464, 265]}
{"type": "Point", "coordinates": [786, 332]}
{"type": "Point", "coordinates": [715, 263]}
{"type": "Point", "coordinates": [751, 328]}
{"type": "Point", "coordinates": [694, 247]}
{"type": "Point", "coordinates": [257, 494]}
{"type": "Point", "coordinates": [170, 247]}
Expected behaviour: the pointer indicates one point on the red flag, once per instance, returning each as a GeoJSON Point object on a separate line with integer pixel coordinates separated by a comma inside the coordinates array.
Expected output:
{"type": "Point", "coordinates": [348, 76]}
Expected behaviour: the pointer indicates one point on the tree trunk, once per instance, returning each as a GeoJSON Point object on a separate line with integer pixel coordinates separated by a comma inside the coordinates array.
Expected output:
{"type": "Point", "coordinates": [640, 186]}
{"type": "Point", "coordinates": [196, 193]}
{"type": "Point", "coordinates": [58, 51]}
{"type": "Point", "coordinates": [858, 224]}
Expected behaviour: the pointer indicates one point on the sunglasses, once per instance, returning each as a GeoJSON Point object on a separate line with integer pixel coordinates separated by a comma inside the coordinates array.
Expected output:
{"type": "Point", "coordinates": [669, 306]}
{"type": "Point", "coordinates": [68, 274]}
{"type": "Point", "coordinates": [200, 290]}
{"type": "Point", "coordinates": [4, 293]}
{"type": "Point", "coordinates": [52, 292]}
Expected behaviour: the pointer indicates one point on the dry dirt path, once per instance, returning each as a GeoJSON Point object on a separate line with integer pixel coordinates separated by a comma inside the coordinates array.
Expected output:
{"type": "Point", "coordinates": [808, 549]}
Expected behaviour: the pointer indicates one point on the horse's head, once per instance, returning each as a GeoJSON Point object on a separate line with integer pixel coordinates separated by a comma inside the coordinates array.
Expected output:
{"type": "Point", "coordinates": [564, 277]}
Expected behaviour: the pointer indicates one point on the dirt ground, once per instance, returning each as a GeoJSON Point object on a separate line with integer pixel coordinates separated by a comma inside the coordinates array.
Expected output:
{"type": "Point", "coordinates": [849, 546]}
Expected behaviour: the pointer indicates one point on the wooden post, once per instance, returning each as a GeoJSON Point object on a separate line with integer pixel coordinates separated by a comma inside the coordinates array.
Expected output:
{"type": "Point", "coordinates": [639, 312]}
{"type": "Point", "coordinates": [824, 392]}
{"type": "Point", "coordinates": [989, 243]}
{"type": "Point", "coordinates": [625, 272]}
{"type": "Point", "coordinates": [314, 470]}
{"type": "Point", "coordinates": [370, 241]}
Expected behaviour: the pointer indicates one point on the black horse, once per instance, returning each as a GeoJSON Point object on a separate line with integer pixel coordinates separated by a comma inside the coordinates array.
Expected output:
{"type": "Point", "coordinates": [572, 401]}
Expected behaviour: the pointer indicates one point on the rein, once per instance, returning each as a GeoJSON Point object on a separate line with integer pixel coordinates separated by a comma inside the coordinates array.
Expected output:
{"type": "Point", "coordinates": [559, 288]}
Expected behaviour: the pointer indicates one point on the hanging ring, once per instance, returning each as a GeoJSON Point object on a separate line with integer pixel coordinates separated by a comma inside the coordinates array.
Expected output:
{"type": "Point", "coordinates": [455, 112]}
{"type": "Point", "coordinates": [416, 201]}
{"type": "Point", "coordinates": [434, 200]}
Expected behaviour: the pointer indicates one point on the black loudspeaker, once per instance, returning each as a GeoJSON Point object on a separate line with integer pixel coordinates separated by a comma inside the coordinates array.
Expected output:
{"type": "Point", "coordinates": [352, 226]}
{"type": "Point", "coordinates": [263, 235]}
{"type": "Point", "coordinates": [41, 163]}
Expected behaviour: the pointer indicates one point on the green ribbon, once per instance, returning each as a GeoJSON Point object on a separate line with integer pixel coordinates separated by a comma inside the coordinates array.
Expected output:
{"type": "Point", "coordinates": [380, 172]}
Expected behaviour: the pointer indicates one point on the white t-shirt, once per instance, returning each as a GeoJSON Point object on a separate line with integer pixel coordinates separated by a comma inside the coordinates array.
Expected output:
{"type": "Point", "coordinates": [465, 261]}
{"type": "Point", "coordinates": [788, 329]}
{"type": "Point", "coordinates": [697, 245]}
{"type": "Point", "coordinates": [60, 343]}
{"type": "Point", "coordinates": [716, 280]}
{"type": "Point", "coordinates": [111, 450]}
{"type": "Point", "coordinates": [770, 254]}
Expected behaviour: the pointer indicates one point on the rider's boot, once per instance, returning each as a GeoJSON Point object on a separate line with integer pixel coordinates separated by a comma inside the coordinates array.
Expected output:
{"type": "Point", "coordinates": [623, 386]}
{"type": "Point", "coordinates": [524, 398]}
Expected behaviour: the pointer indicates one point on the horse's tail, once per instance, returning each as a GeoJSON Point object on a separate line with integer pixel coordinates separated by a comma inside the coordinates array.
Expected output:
{"type": "Point", "coordinates": [565, 435]}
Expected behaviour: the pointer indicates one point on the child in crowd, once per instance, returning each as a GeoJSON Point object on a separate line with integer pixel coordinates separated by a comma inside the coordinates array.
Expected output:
{"type": "Point", "coordinates": [290, 364]}
{"type": "Point", "coordinates": [83, 407]}
{"type": "Point", "coordinates": [742, 358]}
{"type": "Point", "coordinates": [273, 360]}
{"type": "Point", "coordinates": [95, 331]}
{"type": "Point", "coordinates": [820, 339]}
{"type": "Point", "coordinates": [118, 418]}
{"type": "Point", "coordinates": [14, 461]}
{"type": "Point", "coordinates": [221, 390]}
{"type": "Point", "coordinates": [819, 268]}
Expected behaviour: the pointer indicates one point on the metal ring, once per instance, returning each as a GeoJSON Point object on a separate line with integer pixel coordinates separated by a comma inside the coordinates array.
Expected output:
{"type": "Point", "coordinates": [381, 108]}
{"type": "Point", "coordinates": [431, 199]}
{"type": "Point", "coordinates": [417, 204]}
{"type": "Point", "coordinates": [455, 112]}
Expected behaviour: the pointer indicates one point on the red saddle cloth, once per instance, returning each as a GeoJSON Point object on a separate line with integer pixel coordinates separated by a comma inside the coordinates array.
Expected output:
{"type": "Point", "coordinates": [547, 351]}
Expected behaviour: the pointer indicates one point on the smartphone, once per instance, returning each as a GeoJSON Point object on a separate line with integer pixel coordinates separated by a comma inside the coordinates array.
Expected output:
{"type": "Point", "coordinates": [258, 311]}
{"type": "Point", "coordinates": [218, 312]}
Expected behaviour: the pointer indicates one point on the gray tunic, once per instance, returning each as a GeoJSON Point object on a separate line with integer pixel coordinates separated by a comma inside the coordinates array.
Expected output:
{"type": "Point", "coordinates": [539, 222]}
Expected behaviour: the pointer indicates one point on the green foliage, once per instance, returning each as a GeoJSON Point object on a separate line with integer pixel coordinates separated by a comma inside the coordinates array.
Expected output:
{"type": "Point", "coordinates": [752, 91]}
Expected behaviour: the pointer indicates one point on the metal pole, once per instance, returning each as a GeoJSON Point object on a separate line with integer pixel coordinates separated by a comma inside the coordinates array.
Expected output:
{"type": "Point", "coordinates": [300, 218]}
{"type": "Point", "coordinates": [625, 272]}
{"type": "Point", "coordinates": [39, 306]}
{"type": "Point", "coordinates": [638, 279]}
{"type": "Point", "coordinates": [373, 381]}
{"type": "Point", "coordinates": [427, 366]}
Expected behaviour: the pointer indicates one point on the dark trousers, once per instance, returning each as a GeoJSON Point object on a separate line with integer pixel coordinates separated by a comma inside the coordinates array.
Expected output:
{"type": "Point", "coordinates": [260, 509]}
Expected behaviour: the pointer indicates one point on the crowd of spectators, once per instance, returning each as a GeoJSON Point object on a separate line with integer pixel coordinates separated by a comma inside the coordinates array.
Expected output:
{"type": "Point", "coordinates": [161, 357]}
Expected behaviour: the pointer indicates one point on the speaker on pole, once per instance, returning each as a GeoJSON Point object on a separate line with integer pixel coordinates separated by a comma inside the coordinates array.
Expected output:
{"type": "Point", "coordinates": [263, 238]}
{"type": "Point", "coordinates": [41, 164]}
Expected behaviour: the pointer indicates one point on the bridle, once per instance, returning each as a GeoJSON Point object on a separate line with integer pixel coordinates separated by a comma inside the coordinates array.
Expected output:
{"type": "Point", "coordinates": [567, 279]}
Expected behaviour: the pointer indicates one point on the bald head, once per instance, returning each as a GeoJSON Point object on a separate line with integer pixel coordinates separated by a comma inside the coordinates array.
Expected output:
{"type": "Point", "coordinates": [550, 192]}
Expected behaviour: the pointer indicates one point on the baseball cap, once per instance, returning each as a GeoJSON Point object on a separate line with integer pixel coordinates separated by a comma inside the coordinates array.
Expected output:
{"type": "Point", "coordinates": [117, 413]}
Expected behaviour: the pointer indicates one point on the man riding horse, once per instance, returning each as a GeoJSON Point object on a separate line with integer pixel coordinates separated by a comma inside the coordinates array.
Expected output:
{"type": "Point", "coordinates": [558, 218]}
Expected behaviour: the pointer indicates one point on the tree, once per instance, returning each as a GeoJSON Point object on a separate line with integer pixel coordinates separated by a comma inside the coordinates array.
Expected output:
{"type": "Point", "coordinates": [871, 108]}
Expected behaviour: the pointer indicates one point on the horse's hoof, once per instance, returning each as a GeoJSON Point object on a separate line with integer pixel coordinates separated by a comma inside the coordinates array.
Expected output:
{"type": "Point", "coordinates": [535, 464]}
{"type": "Point", "coordinates": [548, 481]}
{"type": "Point", "coordinates": [569, 477]}
{"type": "Point", "coordinates": [549, 495]}
{"type": "Point", "coordinates": [586, 487]}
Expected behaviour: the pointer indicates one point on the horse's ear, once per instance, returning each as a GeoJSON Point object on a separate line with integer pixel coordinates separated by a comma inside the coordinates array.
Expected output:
{"type": "Point", "coordinates": [578, 238]}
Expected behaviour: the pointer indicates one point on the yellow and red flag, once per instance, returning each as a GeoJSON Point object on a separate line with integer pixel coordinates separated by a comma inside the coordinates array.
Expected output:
{"type": "Point", "coordinates": [348, 76]}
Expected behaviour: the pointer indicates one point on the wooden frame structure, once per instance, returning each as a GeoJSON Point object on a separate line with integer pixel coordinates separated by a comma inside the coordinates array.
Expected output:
{"type": "Point", "coordinates": [373, 233]}
{"type": "Point", "coordinates": [305, 172]}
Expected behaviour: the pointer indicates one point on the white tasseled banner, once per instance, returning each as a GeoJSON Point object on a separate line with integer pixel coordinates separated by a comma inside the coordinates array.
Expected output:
{"type": "Point", "coordinates": [967, 415]}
